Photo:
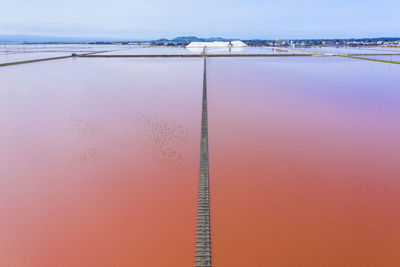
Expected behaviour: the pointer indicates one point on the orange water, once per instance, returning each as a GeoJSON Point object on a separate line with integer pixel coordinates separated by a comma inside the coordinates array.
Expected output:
{"type": "Point", "coordinates": [304, 162]}
{"type": "Point", "coordinates": [99, 162]}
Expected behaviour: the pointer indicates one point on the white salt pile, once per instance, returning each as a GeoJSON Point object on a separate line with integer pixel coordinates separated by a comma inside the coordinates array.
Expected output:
{"type": "Point", "coordinates": [217, 44]}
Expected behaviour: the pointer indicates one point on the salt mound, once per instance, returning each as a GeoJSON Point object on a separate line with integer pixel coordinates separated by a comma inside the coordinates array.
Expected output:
{"type": "Point", "coordinates": [217, 44]}
{"type": "Point", "coordinates": [238, 44]}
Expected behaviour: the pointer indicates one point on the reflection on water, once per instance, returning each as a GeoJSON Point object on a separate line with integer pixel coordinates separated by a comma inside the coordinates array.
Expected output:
{"type": "Point", "coordinates": [76, 188]}
{"type": "Point", "coordinates": [304, 162]}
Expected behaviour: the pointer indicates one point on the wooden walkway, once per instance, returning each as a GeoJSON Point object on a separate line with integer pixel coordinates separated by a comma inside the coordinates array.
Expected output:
{"type": "Point", "coordinates": [203, 237]}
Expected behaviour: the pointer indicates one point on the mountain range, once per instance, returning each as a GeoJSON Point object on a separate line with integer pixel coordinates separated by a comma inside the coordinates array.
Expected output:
{"type": "Point", "coordinates": [55, 39]}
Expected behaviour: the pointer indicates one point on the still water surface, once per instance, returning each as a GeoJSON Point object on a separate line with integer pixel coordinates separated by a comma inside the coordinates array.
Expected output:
{"type": "Point", "coordinates": [99, 162]}
{"type": "Point", "coordinates": [23, 52]}
{"type": "Point", "coordinates": [394, 58]}
{"type": "Point", "coordinates": [351, 50]}
{"type": "Point", "coordinates": [199, 50]}
{"type": "Point", "coordinates": [153, 50]}
{"type": "Point", "coordinates": [304, 162]}
{"type": "Point", "coordinates": [251, 50]}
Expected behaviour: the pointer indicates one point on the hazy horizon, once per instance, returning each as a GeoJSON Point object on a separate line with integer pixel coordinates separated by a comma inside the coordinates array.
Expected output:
{"type": "Point", "coordinates": [155, 19]}
{"type": "Point", "coordinates": [106, 38]}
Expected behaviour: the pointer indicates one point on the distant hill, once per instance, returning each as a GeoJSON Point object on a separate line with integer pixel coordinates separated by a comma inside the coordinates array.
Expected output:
{"type": "Point", "coordinates": [20, 39]}
{"type": "Point", "coordinates": [55, 39]}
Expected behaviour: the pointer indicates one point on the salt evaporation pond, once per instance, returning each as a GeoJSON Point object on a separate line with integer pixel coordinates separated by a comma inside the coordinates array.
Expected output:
{"type": "Point", "coordinates": [153, 50]}
{"type": "Point", "coordinates": [16, 57]}
{"type": "Point", "coordinates": [251, 51]}
{"type": "Point", "coordinates": [199, 50]}
{"type": "Point", "coordinates": [383, 48]}
{"type": "Point", "coordinates": [32, 48]}
{"type": "Point", "coordinates": [99, 163]}
{"type": "Point", "coordinates": [304, 162]}
{"type": "Point", "coordinates": [394, 58]}
{"type": "Point", "coordinates": [16, 53]}
{"type": "Point", "coordinates": [346, 50]}
{"type": "Point", "coordinates": [99, 160]}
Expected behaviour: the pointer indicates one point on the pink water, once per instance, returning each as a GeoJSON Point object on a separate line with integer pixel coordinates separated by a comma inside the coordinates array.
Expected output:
{"type": "Point", "coordinates": [304, 162]}
{"type": "Point", "coordinates": [99, 162]}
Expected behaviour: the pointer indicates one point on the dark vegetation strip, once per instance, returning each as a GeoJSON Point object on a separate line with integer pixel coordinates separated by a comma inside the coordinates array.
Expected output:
{"type": "Point", "coordinates": [369, 59]}
{"type": "Point", "coordinates": [203, 236]}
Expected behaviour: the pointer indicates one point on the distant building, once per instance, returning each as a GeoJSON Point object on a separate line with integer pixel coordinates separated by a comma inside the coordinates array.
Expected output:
{"type": "Point", "coordinates": [281, 42]}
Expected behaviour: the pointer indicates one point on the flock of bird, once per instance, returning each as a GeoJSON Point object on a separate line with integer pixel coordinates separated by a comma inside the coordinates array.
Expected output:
{"type": "Point", "coordinates": [160, 137]}
{"type": "Point", "coordinates": [156, 136]}
{"type": "Point", "coordinates": [86, 154]}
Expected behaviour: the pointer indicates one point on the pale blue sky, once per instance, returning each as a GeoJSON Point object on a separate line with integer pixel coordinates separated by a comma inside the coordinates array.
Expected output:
{"type": "Point", "coordinates": [149, 19]}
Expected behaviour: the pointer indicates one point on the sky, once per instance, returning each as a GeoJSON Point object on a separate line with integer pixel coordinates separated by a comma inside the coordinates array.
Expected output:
{"type": "Point", "coordinates": [154, 19]}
